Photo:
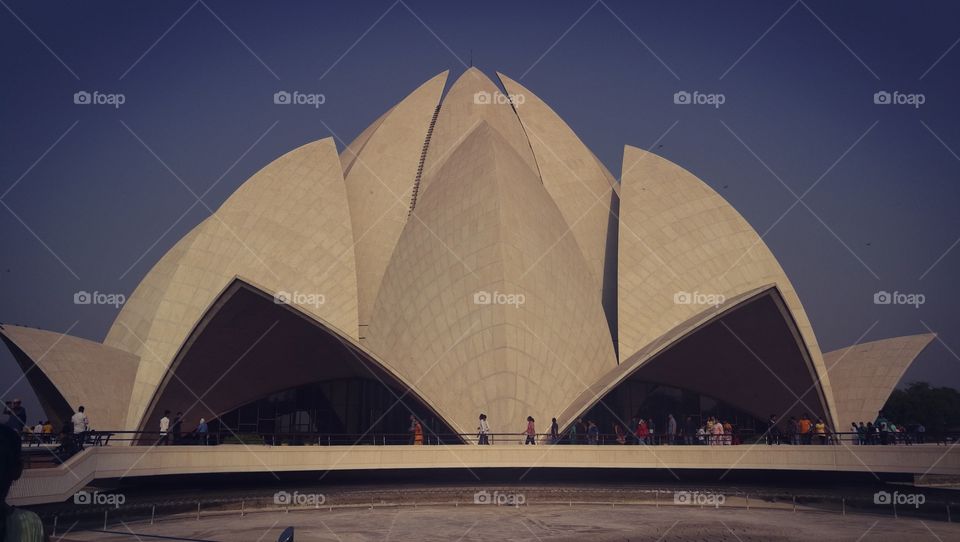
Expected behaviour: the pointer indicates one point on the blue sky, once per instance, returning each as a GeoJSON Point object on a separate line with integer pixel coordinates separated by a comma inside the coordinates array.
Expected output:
{"type": "Point", "coordinates": [93, 195]}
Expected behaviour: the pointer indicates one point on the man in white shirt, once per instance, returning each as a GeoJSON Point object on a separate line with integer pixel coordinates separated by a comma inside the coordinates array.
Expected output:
{"type": "Point", "coordinates": [81, 425]}
{"type": "Point", "coordinates": [164, 427]}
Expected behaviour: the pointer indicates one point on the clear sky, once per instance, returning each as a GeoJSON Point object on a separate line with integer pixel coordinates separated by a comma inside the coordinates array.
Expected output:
{"type": "Point", "coordinates": [93, 195]}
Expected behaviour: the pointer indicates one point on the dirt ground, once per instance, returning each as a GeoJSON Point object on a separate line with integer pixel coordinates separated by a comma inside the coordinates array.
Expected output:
{"type": "Point", "coordinates": [539, 523]}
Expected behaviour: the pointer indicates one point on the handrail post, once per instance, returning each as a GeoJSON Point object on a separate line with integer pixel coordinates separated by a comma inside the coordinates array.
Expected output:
{"type": "Point", "coordinates": [153, 512]}
{"type": "Point", "coordinates": [105, 512]}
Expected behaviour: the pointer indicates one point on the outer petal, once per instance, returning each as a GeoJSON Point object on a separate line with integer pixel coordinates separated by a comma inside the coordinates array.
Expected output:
{"type": "Point", "coordinates": [67, 372]}
{"type": "Point", "coordinates": [680, 239]}
{"type": "Point", "coordinates": [865, 374]}
{"type": "Point", "coordinates": [287, 229]}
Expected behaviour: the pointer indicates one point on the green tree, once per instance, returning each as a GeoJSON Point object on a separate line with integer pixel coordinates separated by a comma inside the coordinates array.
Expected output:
{"type": "Point", "coordinates": [938, 409]}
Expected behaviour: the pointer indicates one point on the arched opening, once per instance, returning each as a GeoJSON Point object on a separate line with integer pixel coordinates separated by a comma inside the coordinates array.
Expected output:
{"type": "Point", "coordinates": [743, 365]}
{"type": "Point", "coordinates": [264, 371]}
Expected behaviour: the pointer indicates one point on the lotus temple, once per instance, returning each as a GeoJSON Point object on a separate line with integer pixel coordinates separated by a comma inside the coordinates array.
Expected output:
{"type": "Point", "coordinates": [465, 254]}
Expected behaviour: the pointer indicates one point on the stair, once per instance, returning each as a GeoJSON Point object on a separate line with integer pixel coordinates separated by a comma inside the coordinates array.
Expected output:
{"type": "Point", "coordinates": [423, 158]}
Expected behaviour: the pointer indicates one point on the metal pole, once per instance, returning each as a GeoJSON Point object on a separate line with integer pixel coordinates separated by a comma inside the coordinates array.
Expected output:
{"type": "Point", "coordinates": [948, 512]}
{"type": "Point", "coordinates": [748, 501]}
{"type": "Point", "coordinates": [153, 512]}
{"type": "Point", "coordinates": [243, 505]}
{"type": "Point", "coordinates": [894, 508]}
{"type": "Point", "coordinates": [794, 503]}
{"type": "Point", "coordinates": [198, 510]}
{"type": "Point", "coordinates": [658, 498]}
{"type": "Point", "coordinates": [105, 519]}
{"type": "Point", "coordinates": [55, 518]}
{"type": "Point", "coordinates": [843, 504]}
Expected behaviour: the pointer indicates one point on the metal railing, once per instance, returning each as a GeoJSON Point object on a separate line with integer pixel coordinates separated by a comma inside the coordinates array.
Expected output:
{"type": "Point", "coordinates": [156, 438]}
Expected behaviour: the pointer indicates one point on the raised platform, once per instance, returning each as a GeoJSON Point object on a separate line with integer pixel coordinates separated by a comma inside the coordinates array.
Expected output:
{"type": "Point", "coordinates": [58, 484]}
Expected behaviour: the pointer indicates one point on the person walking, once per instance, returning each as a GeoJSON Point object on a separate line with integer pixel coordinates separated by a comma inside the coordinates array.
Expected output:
{"type": "Point", "coordinates": [412, 429]}
{"type": "Point", "coordinates": [773, 434]}
{"type": "Point", "coordinates": [593, 433]}
{"type": "Point", "coordinates": [81, 424]}
{"type": "Point", "coordinates": [38, 433]}
{"type": "Point", "coordinates": [483, 430]}
{"type": "Point", "coordinates": [806, 426]}
{"type": "Point", "coordinates": [572, 433]}
{"type": "Point", "coordinates": [164, 428]}
{"type": "Point", "coordinates": [554, 431]}
{"type": "Point", "coordinates": [820, 429]}
{"type": "Point", "coordinates": [417, 432]}
{"type": "Point", "coordinates": [531, 431]}
{"type": "Point", "coordinates": [203, 432]}
{"type": "Point", "coordinates": [620, 433]}
{"type": "Point", "coordinates": [671, 429]}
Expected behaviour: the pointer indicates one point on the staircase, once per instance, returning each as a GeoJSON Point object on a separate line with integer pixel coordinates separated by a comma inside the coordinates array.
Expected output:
{"type": "Point", "coordinates": [423, 158]}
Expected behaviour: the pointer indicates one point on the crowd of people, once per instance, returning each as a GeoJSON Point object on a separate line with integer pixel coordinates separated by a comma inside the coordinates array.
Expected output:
{"type": "Point", "coordinates": [714, 431]}
{"type": "Point", "coordinates": [70, 440]}
{"type": "Point", "coordinates": [884, 431]}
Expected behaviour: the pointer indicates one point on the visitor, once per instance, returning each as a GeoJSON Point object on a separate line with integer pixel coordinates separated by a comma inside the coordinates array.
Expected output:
{"type": "Point", "coordinates": [643, 432]}
{"type": "Point", "coordinates": [531, 431]}
{"type": "Point", "coordinates": [38, 432]}
{"type": "Point", "coordinates": [572, 433]}
{"type": "Point", "coordinates": [47, 431]}
{"type": "Point", "coordinates": [857, 433]}
{"type": "Point", "coordinates": [483, 430]}
{"type": "Point", "coordinates": [884, 432]}
{"type": "Point", "coordinates": [620, 433]}
{"type": "Point", "coordinates": [728, 433]}
{"type": "Point", "coordinates": [806, 426]}
{"type": "Point", "coordinates": [413, 429]}
{"type": "Point", "coordinates": [921, 432]}
{"type": "Point", "coordinates": [671, 429]}
{"type": "Point", "coordinates": [716, 430]}
{"type": "Point", "coordinates": [593, 433]}
{"type": "Point", "coordinates": [164, 428]}
{"type": "Point", "coordinates": [81, 424]}
{"type": "Point", "coordinates": [772, 433]}
{"type": "Point", "coordinates": [554, 431]}
{"type": "Point", "coordinates": [417, 432]}
{"type": "Point", "coordinates": [203, 433]}
{"type": "Point", "coordinates": [16, 525]}
{"type": "Point", "coordinates": [651, 432]}
{"type": "Point", "coordinates": [820, 429]}
{"type": "Point", "coordinates": [689, 431]}
{"type": "Point", "coordinates": [68, 444]}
